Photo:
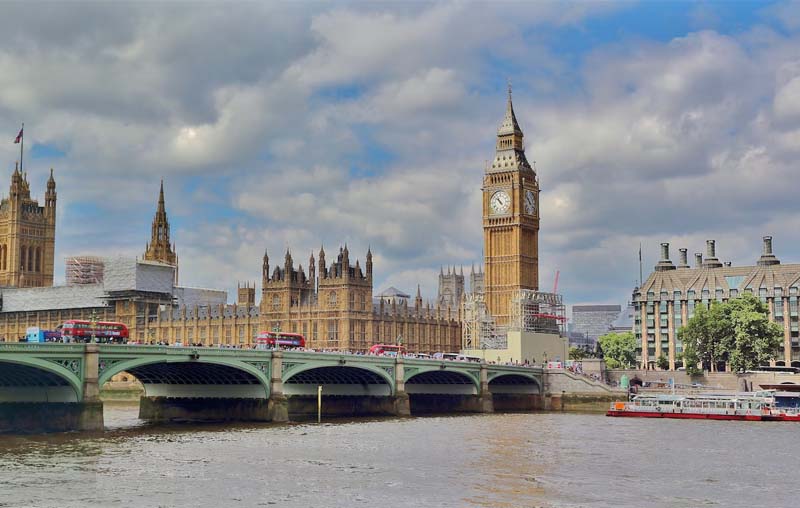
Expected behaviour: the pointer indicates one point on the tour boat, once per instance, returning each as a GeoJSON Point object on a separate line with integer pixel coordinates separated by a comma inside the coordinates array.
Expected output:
{"type": "Point", "coordinates": [767, 405]}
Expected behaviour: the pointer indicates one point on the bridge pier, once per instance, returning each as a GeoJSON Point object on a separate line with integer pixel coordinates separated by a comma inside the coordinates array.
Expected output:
{"type": "Point", "coordinates": [91, 412]}
{"type": "Point", "coordinates": [485, 399]}
{"type": "Point", "coordinates": [278, 403]}
{"type": "Point", "coordinates": [401, 403]}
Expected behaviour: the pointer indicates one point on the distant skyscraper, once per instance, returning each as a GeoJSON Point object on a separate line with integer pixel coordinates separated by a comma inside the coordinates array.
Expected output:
{"type": "Point", "coordinates": [594, 320]}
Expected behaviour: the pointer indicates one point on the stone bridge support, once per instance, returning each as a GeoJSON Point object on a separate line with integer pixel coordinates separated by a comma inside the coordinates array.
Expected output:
{"type": "Point", "coordinates": [91, 413]}
{"type": "Point", "coordinates": [278, 403]}
{"type": "Point", "coordinates": [401, 401]}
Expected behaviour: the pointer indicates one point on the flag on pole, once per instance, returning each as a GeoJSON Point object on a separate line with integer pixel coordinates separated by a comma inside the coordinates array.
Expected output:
{"type": "Point", "coordinates": [19, 136]}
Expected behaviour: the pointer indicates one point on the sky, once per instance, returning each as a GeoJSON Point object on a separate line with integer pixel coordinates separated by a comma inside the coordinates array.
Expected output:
{"type": "Point", "coordinates": [299, 124]}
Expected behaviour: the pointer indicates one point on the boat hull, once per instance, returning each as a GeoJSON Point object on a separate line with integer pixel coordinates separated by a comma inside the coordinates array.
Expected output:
{"type": "Point", "coordinates": [683, 416]}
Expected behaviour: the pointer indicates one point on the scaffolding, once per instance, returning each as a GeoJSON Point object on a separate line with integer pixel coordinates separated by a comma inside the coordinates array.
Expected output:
{"type": "Point", "coordinates": [538, 312]}
{"type": "Point", "coordinates": [531, 311]}
{"type": "Point", "coordinates": [479, 330]}
{"type": "Point", "coordinates": [84, 270]}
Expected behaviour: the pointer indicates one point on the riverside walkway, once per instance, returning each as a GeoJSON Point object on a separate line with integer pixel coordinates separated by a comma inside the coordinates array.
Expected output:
{"type": "Point", "coordinates": [57, 386]}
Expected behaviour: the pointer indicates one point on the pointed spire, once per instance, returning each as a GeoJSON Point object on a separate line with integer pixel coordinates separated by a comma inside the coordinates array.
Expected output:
{"type": "Point", "coordinates": [161, 196]}
{"type": "Point", "coordinates": [509, 125]}
{"type": "Point", "coordinates": [419, 292]}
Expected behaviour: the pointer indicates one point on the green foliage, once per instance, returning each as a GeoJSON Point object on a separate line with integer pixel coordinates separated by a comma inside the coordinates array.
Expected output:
{"type": "Point", "coordinates": [619, 349]}
{"type": "Point", "coordinates": [737, 331]}
{"type": "Point", "coordinates": [663, 362]}
{"type": "Point", "coordinates": [577, 353]}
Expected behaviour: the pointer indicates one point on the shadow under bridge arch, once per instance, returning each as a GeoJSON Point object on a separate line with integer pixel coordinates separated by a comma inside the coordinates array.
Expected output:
{"type": "Point", "coordinates": [515, 383]}
{"type": "Point", "coordinates": [445, 382]}
{"type": "Point", "coordinates": [339, 380]}
{"type": "Point", "coordinates": [198, 379]}
{"type": "Point", "coordinates": [37, 380]}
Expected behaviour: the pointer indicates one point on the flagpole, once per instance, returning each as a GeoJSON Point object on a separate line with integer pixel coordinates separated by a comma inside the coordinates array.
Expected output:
{"type": "Point", "coordinates": [640, 265]}
{"type": "Point", "coordinates": [21, 146]}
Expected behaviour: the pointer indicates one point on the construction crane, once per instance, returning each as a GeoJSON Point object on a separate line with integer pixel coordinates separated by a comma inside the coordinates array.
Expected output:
{"type": "Point", "coordinates": [555, 284]}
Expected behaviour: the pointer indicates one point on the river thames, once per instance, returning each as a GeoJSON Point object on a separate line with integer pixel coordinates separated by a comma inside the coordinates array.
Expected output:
{"type": "Point", "coordinates": [499, 460]}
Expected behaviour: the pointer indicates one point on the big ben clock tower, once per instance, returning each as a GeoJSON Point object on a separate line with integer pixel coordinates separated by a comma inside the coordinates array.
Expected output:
{"type": "Point", "coordinates": [510, 221]}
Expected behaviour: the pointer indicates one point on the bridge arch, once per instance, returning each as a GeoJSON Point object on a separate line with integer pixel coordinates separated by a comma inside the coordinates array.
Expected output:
{"type": "Point", "coordinates": [194, 378]}
{"type": "Point", "coordinates": [338, 379]}
{"type": "Point", "coordinates": [441, 381]}
{"type": "Point", "coordinates": [515, 382]}
{"type": "Point", "coordinates": [29, 379]}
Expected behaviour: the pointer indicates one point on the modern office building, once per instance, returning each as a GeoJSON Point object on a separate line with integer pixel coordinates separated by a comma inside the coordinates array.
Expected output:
{"type": "Point", "coordinates": [593, 320]}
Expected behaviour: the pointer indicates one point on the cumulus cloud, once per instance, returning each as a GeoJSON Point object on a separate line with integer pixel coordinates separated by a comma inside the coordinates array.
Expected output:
{"type": "Point", "coordinates": [291, 125]}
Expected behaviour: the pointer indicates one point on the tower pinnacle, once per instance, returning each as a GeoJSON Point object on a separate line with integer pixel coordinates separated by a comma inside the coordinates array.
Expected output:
{"type": "Point", "coordinates": [160, 249]}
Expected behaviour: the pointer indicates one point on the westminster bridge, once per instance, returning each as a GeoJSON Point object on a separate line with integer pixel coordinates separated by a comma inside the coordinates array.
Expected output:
{"type": "Point", "coordinates": [57, 386]}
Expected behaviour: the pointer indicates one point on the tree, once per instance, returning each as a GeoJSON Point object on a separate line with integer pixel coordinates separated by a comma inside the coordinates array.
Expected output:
{"type": "Point", "coordinates": [619, 349]}
{"type": "Point", "coordinates": [704, 336]}
{"type": "Point", "coordinates": [662, 362]}
{"type": "Point", "coordinates": [754, 339]}
{"type": "Point", "coordinates": [577, 353]}
{"type": "Point", "coordinates": [737, 331]}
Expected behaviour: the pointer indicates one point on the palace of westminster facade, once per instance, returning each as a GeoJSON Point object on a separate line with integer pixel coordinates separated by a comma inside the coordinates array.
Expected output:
{"type": "Point", "coordinates": [331, 303]}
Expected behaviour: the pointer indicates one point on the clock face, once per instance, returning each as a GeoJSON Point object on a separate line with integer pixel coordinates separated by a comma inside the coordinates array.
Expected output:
{"type": "Point", "coordinates": [500, 202]}
{"type": "Point", "coordinates": [530, 202]}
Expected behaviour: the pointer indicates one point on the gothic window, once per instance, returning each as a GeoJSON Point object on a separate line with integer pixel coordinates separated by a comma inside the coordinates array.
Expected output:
{"type": "Point", "coordinates": [332, 330]}
{"type": "Point", "coordinates": [160, 232]}
{"type": "Point", "coordinates": [352, 301]}
{"type": "Point", "coordinates": [363, 302]}
{"type": "Point", "coordinates": [276, 302]}
{"type": "Point", "coordinates": [332, 300]}
{"type": "Point", "coordinates": [241, 335]}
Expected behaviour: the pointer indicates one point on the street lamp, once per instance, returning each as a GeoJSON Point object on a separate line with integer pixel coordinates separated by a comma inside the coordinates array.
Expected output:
{"type": "Point", "coordinates": [94, 324]}
{"type": "Point", "coordinates": [276, 330]}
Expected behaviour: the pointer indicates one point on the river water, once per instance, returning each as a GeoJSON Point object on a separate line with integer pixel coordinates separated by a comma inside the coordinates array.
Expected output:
{"type": "Point", "coordinates": [499, 460]}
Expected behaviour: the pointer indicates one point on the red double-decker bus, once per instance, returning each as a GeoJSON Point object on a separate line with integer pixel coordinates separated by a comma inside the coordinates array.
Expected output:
{"type": "Point", "coordinates": [78, 330]}
{"type": "Point", "coordinates": [281, 339]}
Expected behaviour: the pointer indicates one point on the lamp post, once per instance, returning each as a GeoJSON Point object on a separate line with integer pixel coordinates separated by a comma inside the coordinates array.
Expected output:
{"type": "Point", "coordinates": [276, 330]}
{"type": "Point", "coordinates": [399, 342]}
{"type": "Point", "coordinates": [94, 325]}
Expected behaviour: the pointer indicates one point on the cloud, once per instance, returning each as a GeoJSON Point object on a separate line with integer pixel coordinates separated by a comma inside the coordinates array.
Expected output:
{"type": "Point", "coordinates": [290, 125]}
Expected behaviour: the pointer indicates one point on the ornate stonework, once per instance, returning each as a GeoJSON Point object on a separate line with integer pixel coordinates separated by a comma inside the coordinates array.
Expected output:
{"type": "Point", "coordinates": [27, 235]}
{"type": "Point", "coordinates": [159, 248]}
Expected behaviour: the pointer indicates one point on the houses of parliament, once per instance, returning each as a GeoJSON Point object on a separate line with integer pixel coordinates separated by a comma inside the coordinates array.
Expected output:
{"type": "Point", "coordinates": [331, 301]}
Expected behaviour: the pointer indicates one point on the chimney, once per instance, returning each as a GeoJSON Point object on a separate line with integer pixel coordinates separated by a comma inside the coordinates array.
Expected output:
{"type": "Point", "coordinates": [767, 257]}
{"type": "Point", "coordinates": [698, 260]}
{"type": "Point", "coordinates": [664, 264]}
{"type": "Point", "coordinates": [684, 261]}
{"type": "Point", "coordinates": [711, 255]}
